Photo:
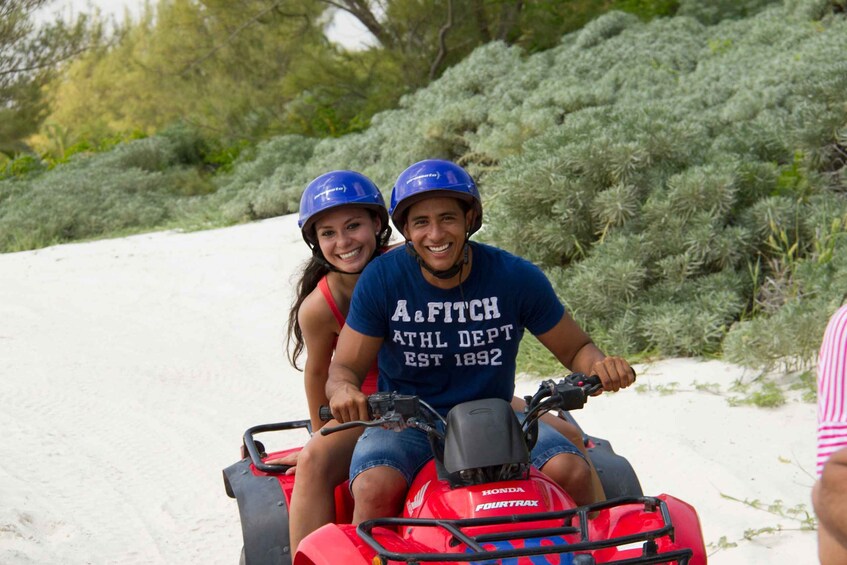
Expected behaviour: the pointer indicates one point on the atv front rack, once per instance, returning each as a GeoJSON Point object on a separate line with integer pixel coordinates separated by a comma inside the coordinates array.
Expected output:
{"type": "Point", "coordinates": [476, 553]}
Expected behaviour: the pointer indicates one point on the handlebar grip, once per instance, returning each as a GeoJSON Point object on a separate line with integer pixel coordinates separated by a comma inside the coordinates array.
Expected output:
{"type": "Point", "coordinates": [325, 414]}
{"type": "Point", "coordinates": [593, 380]}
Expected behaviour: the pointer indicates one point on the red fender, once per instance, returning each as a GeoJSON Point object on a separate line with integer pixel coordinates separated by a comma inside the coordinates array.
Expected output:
{"type": "Point", "coordinates": [331, 545]}
{"type": "Point", "coordinates": [687, 530]}
{"type": "Point", "coordinates": [629, 519]}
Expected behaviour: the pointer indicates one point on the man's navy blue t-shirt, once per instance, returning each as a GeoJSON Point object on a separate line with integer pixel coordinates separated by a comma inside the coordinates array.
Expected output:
{"type": "Point", "coordinates": [450, 346]}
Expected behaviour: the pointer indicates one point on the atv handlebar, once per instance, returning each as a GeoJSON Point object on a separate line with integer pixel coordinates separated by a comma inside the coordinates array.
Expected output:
{"type": "Point", "coordinates": [398, 411]}
{"type": "Point", "coordinates": [389, 410]}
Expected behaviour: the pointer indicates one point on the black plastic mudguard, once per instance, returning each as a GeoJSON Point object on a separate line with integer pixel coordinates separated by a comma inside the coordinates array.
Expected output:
{"type": "Point", "coordinates": [616, 474]}
{"type": "Point", "coordinates": [264, 515]}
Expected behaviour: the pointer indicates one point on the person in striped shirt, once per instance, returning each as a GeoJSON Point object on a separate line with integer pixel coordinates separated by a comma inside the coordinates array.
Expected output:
{"type": "Point", "coordinates": [829, 494]}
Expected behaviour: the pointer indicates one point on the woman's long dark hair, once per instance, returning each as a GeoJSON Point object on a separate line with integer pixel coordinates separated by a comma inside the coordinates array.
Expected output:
{"type": "Point", "coordinates": [313, 272]}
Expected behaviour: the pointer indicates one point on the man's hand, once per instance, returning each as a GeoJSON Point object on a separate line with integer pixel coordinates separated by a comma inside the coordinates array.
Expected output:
{"type": "Point", "coordinates": [615, 373]}
{"type": "Point", "coordinates": [355, 353]}
{"type": "Point", "coordinates": [348, 403]}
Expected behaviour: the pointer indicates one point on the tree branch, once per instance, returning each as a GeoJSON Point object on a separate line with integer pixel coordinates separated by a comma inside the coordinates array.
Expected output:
{"type": "Point", "coordinates": [442, 42]}
{"type": "Point", "coordinates": [360, 10]}
{"type": "Point", "coordinates": [44, 64]}
{"type": "Point", "coordinates": [244, 25]}
{"type": "Point", "coordinates": [481, 21]}
{"type": "Point", "coordinates": [509, 19]}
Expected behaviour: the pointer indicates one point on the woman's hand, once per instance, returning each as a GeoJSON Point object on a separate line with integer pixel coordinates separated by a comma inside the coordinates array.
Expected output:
{"type": "Point", "coordinates": [288, 459]}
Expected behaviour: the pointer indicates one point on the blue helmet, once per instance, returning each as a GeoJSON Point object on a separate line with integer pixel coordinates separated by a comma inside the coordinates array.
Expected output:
{"type": "Point", "coordinates": [432, 178]}
{"type": "Point", "coordinates": [339, 188]}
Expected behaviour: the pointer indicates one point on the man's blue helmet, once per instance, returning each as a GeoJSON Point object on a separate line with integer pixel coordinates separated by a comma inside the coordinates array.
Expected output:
{"type": "Point", "coordinates": [434, 178]}
{"type": "Point", "coordinates": [339, 188]}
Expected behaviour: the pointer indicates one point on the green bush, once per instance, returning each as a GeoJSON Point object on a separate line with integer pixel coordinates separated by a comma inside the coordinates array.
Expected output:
{"type": "Point", "coordinates": [682, 180]}
{"type": "Point", "coordinates": [81, 203]}
{"type": "Point", "coordinates": [137, 186]}
{"type": "Point", "coordinates": [711, 12]}
{"type": "Point", "coordinates": [265, 182]}
{"type": "Point", "coordinates": [22, 166]}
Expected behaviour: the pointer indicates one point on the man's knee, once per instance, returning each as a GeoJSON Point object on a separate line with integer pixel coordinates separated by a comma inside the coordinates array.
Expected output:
{"type": "Point", "coordinates": [572, 433]}
{"type": "Point", "coordinates": [378, 492]}
{"type": "Point", "coordinates": [572, 473]}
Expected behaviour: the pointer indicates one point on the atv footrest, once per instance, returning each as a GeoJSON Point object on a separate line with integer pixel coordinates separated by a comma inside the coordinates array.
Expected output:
{"type": "Point", "coordinates": [573, 523]}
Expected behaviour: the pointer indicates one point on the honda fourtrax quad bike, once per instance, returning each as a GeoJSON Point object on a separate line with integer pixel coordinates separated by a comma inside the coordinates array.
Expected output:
{"type": "Point", "coordinates": [478, 500]}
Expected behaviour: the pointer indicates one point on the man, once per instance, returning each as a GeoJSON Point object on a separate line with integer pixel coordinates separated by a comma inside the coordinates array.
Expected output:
{"type": "Point", "coordinates": [446, 317]}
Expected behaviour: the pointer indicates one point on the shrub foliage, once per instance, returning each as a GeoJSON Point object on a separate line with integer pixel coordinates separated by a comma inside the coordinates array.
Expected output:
{"type": "Point", "coordinates": [682, 180]}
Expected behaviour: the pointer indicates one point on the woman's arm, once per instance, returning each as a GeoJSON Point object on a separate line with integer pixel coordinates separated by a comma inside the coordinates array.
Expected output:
{"type": "Point", "coordinates": [319, 334]}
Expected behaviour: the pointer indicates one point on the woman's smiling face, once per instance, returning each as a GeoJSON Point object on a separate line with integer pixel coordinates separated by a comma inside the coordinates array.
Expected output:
{"type": "Point", "coordinates": [347, 237]}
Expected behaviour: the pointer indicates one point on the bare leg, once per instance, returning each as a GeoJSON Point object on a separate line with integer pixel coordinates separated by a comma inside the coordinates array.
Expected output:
{"type": "Point", "coordinates": [323, 463]}
{"type": "Point", "coordinates": [573, 474]}
{"type": "Point", "coordinates": [378, 492]}
{"type": "Point", "coordinates": [830, 551]}
{"type": "Point", "coordinates": [828, 499]}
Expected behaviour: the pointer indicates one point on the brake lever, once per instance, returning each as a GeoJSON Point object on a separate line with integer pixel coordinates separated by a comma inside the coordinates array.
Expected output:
{"type": "Point", "coordinates": [591, 385]}
{"type": "Point", "coordinates": [390, 420]}
{"type": "Point", "coordinates": [325, 431]}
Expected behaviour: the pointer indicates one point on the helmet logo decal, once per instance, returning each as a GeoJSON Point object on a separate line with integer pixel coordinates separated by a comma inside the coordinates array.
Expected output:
{"type": "Point", "coordinates": [435, 175]}
{"type": "Point", "coordinates": [329, 191]}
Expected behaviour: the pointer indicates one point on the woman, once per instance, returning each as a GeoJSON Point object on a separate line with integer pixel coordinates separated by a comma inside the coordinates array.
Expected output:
{"type": "Point", "coordinates": [344, 221]}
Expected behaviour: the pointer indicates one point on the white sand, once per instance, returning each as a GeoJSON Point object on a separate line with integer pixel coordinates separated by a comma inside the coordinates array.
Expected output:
{"type": "Point", "coordinates": [129, 369]}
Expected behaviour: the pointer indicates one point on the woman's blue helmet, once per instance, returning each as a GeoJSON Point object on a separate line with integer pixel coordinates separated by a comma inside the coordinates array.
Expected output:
{"type": "Point", "coordinates": [339, 188]}
{"type": "Point", "coordinates": [432, 178]}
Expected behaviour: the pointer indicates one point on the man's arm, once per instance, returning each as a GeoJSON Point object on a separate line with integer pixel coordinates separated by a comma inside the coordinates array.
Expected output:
{"type": "Point", "coordinates": [575, 350]}
{"type": "Point", "coordinates": [354, 354]}
{"type": "Point", "coordinates": [829, 498]}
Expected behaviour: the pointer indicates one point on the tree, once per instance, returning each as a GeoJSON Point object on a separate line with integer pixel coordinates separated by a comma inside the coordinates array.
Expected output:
{"type": "Point", "coordinates": [29, 58]}
{"type": "Point", "coordinates": [251, 69]}
{"type": "Point", "coordinates": [215, 65]}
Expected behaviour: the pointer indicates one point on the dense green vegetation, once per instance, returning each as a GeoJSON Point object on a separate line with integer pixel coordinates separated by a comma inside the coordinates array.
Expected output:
{"type": "Point", "coordinates": [682, 179]}
{"type": "Point", "coordinates": [30, 57]}
{"type": "Point", "coordinates": [251, 69]}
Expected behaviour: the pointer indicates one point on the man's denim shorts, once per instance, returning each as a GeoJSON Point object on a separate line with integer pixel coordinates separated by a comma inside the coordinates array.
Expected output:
{"type": "Point", "coordinates": [409, 450]}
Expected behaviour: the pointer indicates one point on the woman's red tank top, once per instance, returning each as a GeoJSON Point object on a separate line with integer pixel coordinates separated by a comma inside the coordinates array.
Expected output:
{"type": "Point", "coordinates": [370, 384]}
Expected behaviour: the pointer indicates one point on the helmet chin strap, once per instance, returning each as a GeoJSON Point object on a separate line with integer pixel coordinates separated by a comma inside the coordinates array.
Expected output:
{"type": "Point", "coordinates": [446, 273]}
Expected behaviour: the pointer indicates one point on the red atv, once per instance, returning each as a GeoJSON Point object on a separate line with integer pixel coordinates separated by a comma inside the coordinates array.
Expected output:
{"type": "Point", "coordinates": [478, 501]}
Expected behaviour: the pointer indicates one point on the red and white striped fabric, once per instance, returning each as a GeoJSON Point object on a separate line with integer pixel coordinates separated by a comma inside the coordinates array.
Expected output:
{"type": "Point", "coordinates": [832, 383]}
